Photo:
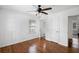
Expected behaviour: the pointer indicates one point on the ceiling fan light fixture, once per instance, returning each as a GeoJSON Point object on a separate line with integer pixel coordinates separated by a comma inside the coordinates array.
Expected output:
{"type": "Point", "coordinates": [40, 10]}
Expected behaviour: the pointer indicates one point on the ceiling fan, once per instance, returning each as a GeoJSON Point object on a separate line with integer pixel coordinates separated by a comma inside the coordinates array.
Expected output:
{"type": "Point", "coordinates": [41, 10]}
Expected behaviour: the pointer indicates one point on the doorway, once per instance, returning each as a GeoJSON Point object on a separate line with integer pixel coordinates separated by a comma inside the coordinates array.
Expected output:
{"type": "Point", "coordinates": [73, 30]}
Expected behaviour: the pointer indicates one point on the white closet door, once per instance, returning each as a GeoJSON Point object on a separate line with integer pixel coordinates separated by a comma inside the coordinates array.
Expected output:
{"type": "Point", "coordinates": [42, 27]}
{"type": "Point", "coordinates": [53, 29]}
{"type": "Point", "coordinates": [56, 27]}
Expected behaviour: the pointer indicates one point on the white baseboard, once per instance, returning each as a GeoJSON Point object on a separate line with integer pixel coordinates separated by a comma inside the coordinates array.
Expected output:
{"type": "Point", "coordinates": [61, 43]}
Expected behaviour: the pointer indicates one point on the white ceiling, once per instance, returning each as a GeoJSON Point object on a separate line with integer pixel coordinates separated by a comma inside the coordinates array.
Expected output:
{"type": "Point", "coordinates": [21, 8]}
{"type": "Point", "coordinates": [58, 8]}
{"type": "Point", "coordinates": [31, 8]}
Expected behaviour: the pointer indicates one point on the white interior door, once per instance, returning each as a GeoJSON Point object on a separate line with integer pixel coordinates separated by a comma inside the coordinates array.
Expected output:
{"type": "Point", "coordinates": [42, 28]}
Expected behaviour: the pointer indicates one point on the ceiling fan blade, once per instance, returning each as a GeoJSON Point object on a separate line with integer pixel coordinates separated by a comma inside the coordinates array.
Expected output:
{"type": "Point", "coordinates": [44, 13]}
{"type": "Point", "coordinates": [46, 9]}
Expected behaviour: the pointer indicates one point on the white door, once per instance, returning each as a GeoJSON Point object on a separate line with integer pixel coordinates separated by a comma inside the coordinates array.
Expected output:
{"type": "Point", "coordinates": [42, 28]}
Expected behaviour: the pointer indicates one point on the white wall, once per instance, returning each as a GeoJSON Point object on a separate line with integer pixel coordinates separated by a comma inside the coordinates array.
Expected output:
{"type": "Point", "coordinates": [14, 27]}
{"type": "Point", "coordinates": [58, 26]}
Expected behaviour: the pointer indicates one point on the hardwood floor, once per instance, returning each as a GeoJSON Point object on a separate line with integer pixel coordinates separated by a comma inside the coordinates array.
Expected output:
{"type": "Point", "coordinates": [39, 46]}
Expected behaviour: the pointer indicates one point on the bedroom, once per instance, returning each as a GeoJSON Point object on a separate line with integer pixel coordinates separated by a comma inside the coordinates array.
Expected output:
{"type": "Point", "coordinates": [23, 28]}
